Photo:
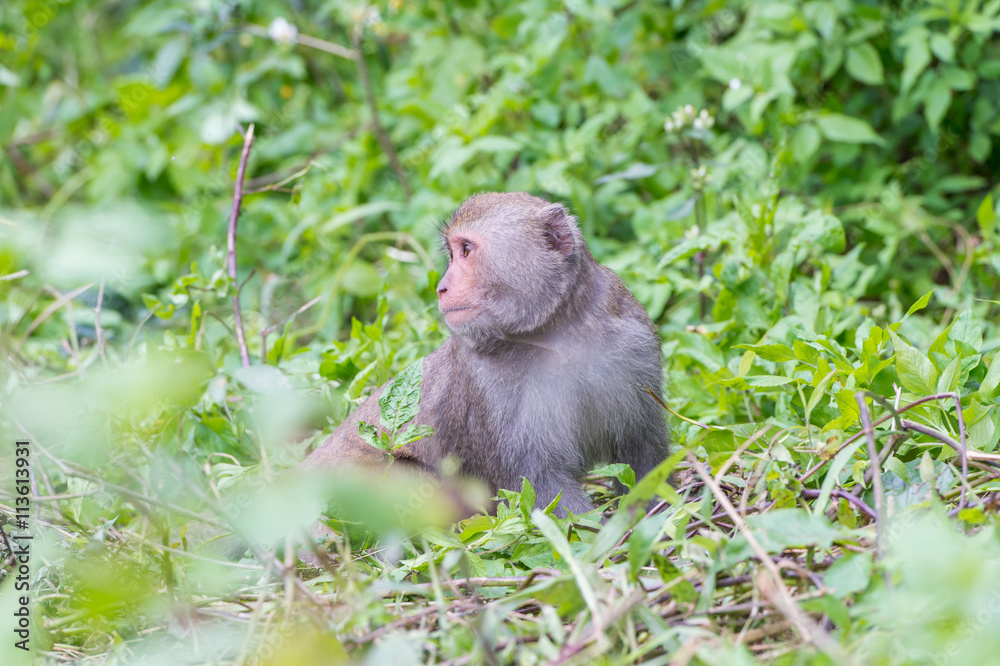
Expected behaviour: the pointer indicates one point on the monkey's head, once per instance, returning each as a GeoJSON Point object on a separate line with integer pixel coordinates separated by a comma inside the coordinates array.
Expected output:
{"type": "Point", "coordinates": [512, 260]}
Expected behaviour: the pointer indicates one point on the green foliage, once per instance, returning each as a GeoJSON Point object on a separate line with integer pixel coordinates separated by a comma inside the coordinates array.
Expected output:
{"type": "Point", "coordinates": [800, 194]}
{"type": "Point", "coordinates": [398, 405]}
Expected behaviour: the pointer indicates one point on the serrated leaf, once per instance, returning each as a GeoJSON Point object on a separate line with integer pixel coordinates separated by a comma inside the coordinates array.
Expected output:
{"type": "Point", "coordinates": [400, 400]}
{"type": "Point", "coordinates": [412, 434]}
{"type": "Point", "coordinates": [916, 372]}
{"type": "Point", "coordinates": [620, 471]}
{"type": "Point", "coordinates": [369, 433]}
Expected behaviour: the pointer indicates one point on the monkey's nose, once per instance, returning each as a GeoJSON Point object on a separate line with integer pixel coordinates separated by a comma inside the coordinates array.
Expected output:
{"type": "Point", "coordinates": [441, 288]}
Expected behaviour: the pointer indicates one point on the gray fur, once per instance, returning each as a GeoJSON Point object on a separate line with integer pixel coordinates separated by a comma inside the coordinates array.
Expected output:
{"type": "Point", "coordinates": [548, 381]}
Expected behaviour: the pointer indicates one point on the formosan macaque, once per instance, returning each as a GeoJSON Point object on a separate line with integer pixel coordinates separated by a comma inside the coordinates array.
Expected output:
{"type": "Point", "coordinates": [546, 371]}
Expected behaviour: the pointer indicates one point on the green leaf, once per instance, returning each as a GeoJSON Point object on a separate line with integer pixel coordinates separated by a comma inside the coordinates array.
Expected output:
{"type": "Point", "coordinates": [864, 64]}
{"type": "Point", "coordinates": [412, 434]}
{"type": "Point", "coordinates": [780, 529]}
{"type": "Point", "coordinates": [847, 129]}
{"type": "Point", "coordinates": [767, 380]}
{"type": "Point", "coordinates": [370, 434]}
{"type": "Point", "coordinates": [949, 378]}
{"type": "Point", "coordinates": [620, 471]}
{"type": "Point", "coordinates": [849, 574]}
{"type": "Point", "coordinates": [917, 57]}
{"type": "Point", "coordinates": [527, 503]}
{"type": "Point", "coordinates": [640, 542]}
{"type": "Point", "coordinates": [936, 103]}
{"type": "Point", "coordinates": [986, 216]}
{"type": "Point", "coordinates": [598, 71]}
{"type": "Point", "coordinates": [967, 330]}
{"type": "Point", "coordinates": [920, 304]}
{"type": "Point", "coordinates": [943, 47]}
{"type": "Point", "coordinates": [916, 372]}
{"type": "Point", "coordinates": [805, 142]}
{"type": "Point", "coordinates": [991, 382]}
{"type": "Point", "coordinates": [896, 466]}
{"type": "Point", "coordinates": [777, 353]}
{"type": "Point", "coordinates": [400, 400]}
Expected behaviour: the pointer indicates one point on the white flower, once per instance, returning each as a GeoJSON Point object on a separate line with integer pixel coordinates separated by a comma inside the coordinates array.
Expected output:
{"type": "Point", "coordinates": [734, 84]}
{"type": "Point", "coordinates": [281, 30]}
{"type": "Point", "coordinates": [688, 109]}
{"type": "Point", "coordinates": [699, 123]}
{"type": "Point", "coordinates": [668, 126]}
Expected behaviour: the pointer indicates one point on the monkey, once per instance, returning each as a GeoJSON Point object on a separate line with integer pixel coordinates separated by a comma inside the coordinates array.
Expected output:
{"type": "Point", "coordinates": [546, 372]}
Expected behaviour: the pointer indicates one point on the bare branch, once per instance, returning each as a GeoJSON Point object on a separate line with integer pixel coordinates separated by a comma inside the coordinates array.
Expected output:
{"type": "Point", "coordinates": [234, 216]}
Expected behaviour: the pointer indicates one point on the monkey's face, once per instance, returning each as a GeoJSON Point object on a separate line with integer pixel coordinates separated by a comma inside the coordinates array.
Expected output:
{"type": "Point", "coordinates": [511, 261]}
{"type": "Point", "coordinates": [460, 297]}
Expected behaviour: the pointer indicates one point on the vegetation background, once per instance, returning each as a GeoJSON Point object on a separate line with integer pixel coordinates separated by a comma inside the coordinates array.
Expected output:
{"type": "Point", "coordinates": [802, 195]}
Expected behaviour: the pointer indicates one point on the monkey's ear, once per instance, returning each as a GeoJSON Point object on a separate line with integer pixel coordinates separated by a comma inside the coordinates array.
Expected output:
{"type": "Point", "coordinates": [558, 229]}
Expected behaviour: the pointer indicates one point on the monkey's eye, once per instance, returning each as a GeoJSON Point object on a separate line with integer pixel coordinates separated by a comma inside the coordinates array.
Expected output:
{"type": "Point", "coordinates": [466, 248]}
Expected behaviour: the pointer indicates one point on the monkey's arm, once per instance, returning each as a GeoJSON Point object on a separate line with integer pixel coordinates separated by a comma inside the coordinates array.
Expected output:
{"type": "Point", "coordinates": [344, 448]}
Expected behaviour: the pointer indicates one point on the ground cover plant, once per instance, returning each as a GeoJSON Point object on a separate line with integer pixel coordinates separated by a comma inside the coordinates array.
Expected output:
{"type": "Point", "coordinates": [217, 234]}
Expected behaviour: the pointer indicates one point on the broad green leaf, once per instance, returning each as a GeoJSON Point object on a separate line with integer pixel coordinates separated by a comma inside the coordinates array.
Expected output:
{"type": "Point", "coordinates": [620, 471]}
{"type": "Point", "coordinates": [936, 103]}
{"type": "Point", "coordinates": [411, 434]}
{"type": "Point", "coordinates": [942, 47]}
{"type": "Point", "coordinates": [849, 574]}
{"type": "Point", "coordinates": [967, 330]}
{"type": "Point", "coordinates": [805, 142]}
{"type": "Point", "coordinates": [896, 466]}
{"type": "Point", "coordinates": [777, 352]}
{"type": "Point", "coordinates": [847, 129]}
{"type": "Point", "coordinates": [949, 377]}
{"type": "Point", "coordinates": [783, 528]}
{"type": "Point", "coordinates": [916, 372]}
{"type": "Point", "coordinates": [917, 57]}
{"type": "Point", "coordinates": [864, 64]}
{"type": "Point", "coordinates": [400, 400]}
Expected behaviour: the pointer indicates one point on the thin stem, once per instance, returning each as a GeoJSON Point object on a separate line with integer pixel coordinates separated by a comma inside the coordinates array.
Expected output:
{"type": "Point", "coordinates": [234, 216]}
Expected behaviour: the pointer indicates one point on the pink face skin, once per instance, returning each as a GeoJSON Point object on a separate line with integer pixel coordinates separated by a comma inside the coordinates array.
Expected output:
{"type": "Point", "coordinates": [458, 296]}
